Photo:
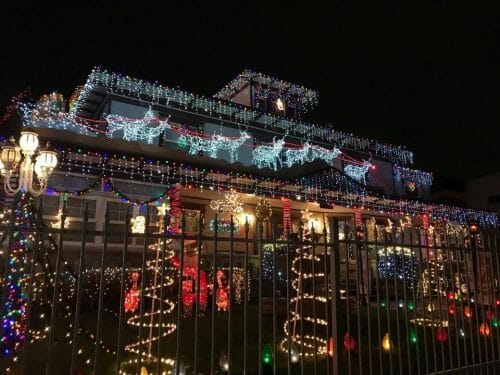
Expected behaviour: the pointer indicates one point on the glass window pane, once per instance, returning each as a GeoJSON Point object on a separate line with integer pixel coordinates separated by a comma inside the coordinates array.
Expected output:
{"type": "Point", "coordinates": [116, 233]}
{"type": "Point", "coordinates": [51, 205]}
{"type": "Point", "coordinates": [77, 236]}
{"type": "Point", "coordinates": [76, 207]}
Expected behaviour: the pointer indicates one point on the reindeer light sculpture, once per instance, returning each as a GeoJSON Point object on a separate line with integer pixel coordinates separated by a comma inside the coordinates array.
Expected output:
{"type": "Point", "coordinates": [268, 156]}
{"type": "Point", "coordinates": [358, 172]}
{"type": "Point", "coordinates": [137, 129]}
{"type": "Point", "coordinates": [297, 156]}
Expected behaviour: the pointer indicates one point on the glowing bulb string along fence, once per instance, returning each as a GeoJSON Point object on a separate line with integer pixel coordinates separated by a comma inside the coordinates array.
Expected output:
{"type": "Point", "coordinates": [381, 296]}
{"type": "Point", "coordinates": [328, 187]}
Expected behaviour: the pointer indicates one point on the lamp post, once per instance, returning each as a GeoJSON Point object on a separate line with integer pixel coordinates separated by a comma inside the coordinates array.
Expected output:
{"type": "Point", "coordinates": [14, 156]}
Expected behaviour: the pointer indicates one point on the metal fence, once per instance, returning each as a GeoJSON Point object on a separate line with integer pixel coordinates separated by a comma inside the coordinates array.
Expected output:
{"type": "Point", "coordinates": [341, 300]}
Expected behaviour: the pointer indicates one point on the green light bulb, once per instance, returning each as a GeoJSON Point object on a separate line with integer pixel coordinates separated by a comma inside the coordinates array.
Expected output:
{"type": "Point", "coordinates": [383, 303]}
{"type": "Point", "coordinates": [267, 354]}
{"type": "Point", "coordinates": [413, 335]}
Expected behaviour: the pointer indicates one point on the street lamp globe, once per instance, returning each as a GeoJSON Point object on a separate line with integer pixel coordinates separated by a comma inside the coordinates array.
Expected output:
{"type": "Point", "coordinates": [13, 156]}
{"type": "Point", "coordinates": [45, 163]}
{"type": "Point", "coordinates": [28, 142]}
{"type": "Point", "coordinates": [10, 156]}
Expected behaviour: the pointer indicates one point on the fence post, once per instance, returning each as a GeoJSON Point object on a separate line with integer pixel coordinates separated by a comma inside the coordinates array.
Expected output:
{"type": "Point", "coordinates": [335, 281]}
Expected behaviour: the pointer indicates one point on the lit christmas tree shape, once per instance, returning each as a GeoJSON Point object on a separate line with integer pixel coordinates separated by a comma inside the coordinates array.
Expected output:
{"type": "Point", "coordinates": [145, 129]}
{"type": "Point", "coordinates": [155, 306]}
{"type": "Point", "coordinates": [307, 270]}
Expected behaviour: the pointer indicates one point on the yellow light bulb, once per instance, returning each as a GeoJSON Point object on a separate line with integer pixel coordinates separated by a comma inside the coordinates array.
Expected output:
{"type": "Point", "coordinates": [386, 342]}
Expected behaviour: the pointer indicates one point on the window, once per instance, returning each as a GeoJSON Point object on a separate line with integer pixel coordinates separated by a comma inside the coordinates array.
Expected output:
{"type": "Point", "coordinates": [153, 214]}
{"type": "Point", "coordinates": [77, 236]}
{"type": "Point", "coordinates": [76, 207]}
{"type": "Point", "coordinates": [50, 205]}
{"type": "Point", "coordinates": [116, 233]}
{"type": "Point", "coordinates": [117, 211]}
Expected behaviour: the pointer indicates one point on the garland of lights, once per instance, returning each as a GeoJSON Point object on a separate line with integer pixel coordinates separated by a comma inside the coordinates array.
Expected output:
{"type": "Point", "coordinates": [137, 202]}
{"type": "Point", "coordinates": [14, 310]}
{"type": "Point", "coordinates": [78, 193]}
{"type": "Point", "coordinates": [157, 93]}
{"type": "Point", "coordinates": [413, 180]}
{"type": "Point", "coordinates": [397, 262]}
{"type": "Point", "coordinates": [12, 107]}
{"type": "Point", "coordinates": [329, 187]}
{"type": "Point", "coordinates": [290, 92]}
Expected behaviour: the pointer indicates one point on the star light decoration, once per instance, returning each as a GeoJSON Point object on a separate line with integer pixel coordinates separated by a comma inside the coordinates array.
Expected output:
{"type": "Point", "coordinates": [145, 129]}
{"type": "Point", "coordinates": [230, 205]}
{"type": "Point", "coordinates": [162, 209]}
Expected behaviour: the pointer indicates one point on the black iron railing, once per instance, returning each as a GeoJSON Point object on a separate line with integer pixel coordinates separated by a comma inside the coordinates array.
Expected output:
{"type": "Point", "coordinates": [336, 301]}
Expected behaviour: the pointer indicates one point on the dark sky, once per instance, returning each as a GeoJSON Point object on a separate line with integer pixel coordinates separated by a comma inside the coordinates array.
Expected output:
{"type": "Point", "coordinates": [425, 76]}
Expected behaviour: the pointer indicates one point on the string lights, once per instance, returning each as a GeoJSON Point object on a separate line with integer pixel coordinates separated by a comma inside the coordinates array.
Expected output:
{"type": "Point", "coordinates": [398, 263]}
{"type": "Point", "coordinates": [413, 180]}
{"type": "Point", "coordinates": [267, 86]}
{"type": "Point", "coordinates": [329, 187]}
{"type": "Point", "coordinates": [14, 309]}
{"type": "Point", "coordinates": [158, 94]}
{"type": "Point", "coordinates": [299, 328]}
{"type": "Point", "coordinates": [158, 305]}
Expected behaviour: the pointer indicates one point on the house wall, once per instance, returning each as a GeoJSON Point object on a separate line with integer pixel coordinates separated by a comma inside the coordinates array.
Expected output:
{"type": "Point", "coordinates": [382, 176]}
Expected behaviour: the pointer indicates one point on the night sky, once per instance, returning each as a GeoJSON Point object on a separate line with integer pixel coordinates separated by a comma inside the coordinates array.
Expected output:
{"type": "Point", "coordinates": [427, 77]}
